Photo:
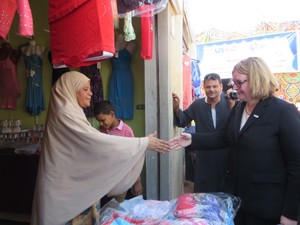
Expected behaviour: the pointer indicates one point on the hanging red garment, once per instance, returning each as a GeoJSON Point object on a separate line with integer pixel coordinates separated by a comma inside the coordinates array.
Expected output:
{"type": "Point", "coordinates": [9, 83]}
{"type": "Point", "coordinates": [146, 33]}
{"type": "Point", "coordinates": [8, 9]}
{"type": "Point", "coordinates": [186, 81]}
{"type": "Point", "coordinates": [81, 32]}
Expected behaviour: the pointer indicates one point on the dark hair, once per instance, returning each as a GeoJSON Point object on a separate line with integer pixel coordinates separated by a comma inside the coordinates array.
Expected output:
{"type": "Point", "coordinates": [103, 107]}
{"type": "Point", "coordinates": [212, 76]}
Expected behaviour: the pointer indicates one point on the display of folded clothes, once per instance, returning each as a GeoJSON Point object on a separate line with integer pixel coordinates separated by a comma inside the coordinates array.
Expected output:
{"type": "Point", "coordinates": [193, 208]}
{"type": "Point", "coordinates": [28, 149]}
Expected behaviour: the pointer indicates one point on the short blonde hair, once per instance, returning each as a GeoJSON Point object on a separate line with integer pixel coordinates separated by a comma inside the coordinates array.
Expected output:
{"type": "Point", "coordinates": [262, 82]}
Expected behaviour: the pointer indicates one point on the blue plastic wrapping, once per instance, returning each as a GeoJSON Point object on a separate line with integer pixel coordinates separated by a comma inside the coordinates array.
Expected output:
{"type": "Point", "coordinates": [193, 208]}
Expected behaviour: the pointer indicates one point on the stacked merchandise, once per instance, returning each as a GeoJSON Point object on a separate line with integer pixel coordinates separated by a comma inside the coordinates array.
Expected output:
{"type": "Point", "coordinates": [194, 208]}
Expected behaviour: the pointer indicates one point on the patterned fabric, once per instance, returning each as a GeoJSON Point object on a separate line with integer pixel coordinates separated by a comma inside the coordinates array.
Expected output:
{"type": "Point", "coordinates": [188, 209]}
{"type": "Point", "coordinates": [196, 79]}
{"type": "Point", "coordinates": [93, 73]}
{"type": "Point", "coordinates": [25, 15]}
{"type": "Point", "coordinates": [129, 33]}
{"type": "Point", "coordinates": [8, 9]}
{"type": "Point", "coordinates": [289, 87]}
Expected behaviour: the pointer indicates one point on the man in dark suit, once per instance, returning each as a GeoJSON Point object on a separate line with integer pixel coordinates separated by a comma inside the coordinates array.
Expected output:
{"type": "Point", "coordinates": [210, 113]}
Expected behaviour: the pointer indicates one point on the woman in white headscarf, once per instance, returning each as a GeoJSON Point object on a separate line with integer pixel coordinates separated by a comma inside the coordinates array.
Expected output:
{"type": "Point", "coordinates": [78, 164]}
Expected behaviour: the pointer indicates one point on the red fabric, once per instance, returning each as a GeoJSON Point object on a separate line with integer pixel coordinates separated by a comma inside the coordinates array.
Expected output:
{"type": "Point", "coordinates": [60, 8]}
{"type": "Point", "coordinates": [9, 82]}
{"type": "Point", "coordinates": [7, 9]}
{"type": "Point", "coordinates": [146, 33]}
{"type": "Point", "coordinates": [186, 82]}
{"type": "Point", "coordinates": [86, 33]}
{"type": "Point", "coordinates": [186, 204]}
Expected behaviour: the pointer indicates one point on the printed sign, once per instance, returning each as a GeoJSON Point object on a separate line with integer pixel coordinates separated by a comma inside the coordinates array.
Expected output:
{"type": "Point", "coordinates": [280, 52]}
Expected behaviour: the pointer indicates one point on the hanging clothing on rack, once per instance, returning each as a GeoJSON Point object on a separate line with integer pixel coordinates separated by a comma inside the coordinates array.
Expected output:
{"type": "Point", "coordinates": [196, 79]}
{"type": "Point", "coordinates": [128, 29]}
{"type": "Point", "coordinates": [147, 33]}
{"type": "Point", "coordinates": [9, 82]}
{"type": "Point", "coordinates": [136, 7]}
{"type": "Point", "coordinates": [81, 32]}
{"type": "Point", "coordinates": [93, 73]}
{"type": "Point", "coordinates": [8, 9]}
{"type": "Point", "coordinates": [56, 73]}
{"type": "Point", "coordinates": [33, 62]}
{"type": "Point", "coordinates": [125, 6]}
{"type": "Point", "coordinates": [186, 82]}
{"type": "Point", "coordinates": [121, 86]}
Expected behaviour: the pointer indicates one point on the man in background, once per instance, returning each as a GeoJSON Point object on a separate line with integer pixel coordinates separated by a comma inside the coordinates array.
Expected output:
{"type": "Point", "coordinates": [209, 113]}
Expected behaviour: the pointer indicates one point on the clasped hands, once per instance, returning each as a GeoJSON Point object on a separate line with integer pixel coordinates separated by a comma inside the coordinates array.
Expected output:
{"type": "Point", "coordinates": [181, 141]}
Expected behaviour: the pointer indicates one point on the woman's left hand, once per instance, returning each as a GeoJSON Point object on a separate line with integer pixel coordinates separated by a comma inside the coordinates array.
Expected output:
{"type": "Point", "coordinates": [286, 221]}
{"type": "Point", "coordinates": [181, 141]}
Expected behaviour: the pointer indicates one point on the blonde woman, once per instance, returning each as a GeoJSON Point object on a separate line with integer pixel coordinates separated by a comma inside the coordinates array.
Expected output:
{"type": "Point", "coordinates": [262, 134]}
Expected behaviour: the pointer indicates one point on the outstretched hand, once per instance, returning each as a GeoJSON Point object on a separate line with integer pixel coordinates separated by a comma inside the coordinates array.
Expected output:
{"type": "Point", "coordinates": [181, 141]}
{"type": "Point", "coordinates": [157, 144]}
{"type": "Point", "coordinates": [286, 221]}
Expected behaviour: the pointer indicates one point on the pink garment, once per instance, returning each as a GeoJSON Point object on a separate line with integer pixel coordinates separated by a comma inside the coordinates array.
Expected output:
{"type": "Point", "coordinates": [186, 205]}
{"type": "Point", "coordinates": [9, 83]}
{"type": "Point", "coordinates": [186, 82]}
{"type": "Point", "coordinates": [122, 130]}
{"type": "Point", "coordinates": [25, 15]}
{"type": "Point", "coordinates": [8, 9]}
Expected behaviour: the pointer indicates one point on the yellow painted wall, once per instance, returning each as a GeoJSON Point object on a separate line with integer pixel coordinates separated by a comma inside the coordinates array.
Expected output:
{"type": "Point", "coordinates": [40, 18]}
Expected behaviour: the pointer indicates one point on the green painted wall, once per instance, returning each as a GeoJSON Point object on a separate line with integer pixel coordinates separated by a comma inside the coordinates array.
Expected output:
{"type": "Point", "coordinates": [40, 18]}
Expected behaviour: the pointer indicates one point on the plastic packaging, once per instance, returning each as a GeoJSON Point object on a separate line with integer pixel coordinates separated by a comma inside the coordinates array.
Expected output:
{"type": "Point", "coordinates": [194, 208]}
{"type": "Point", "coordinates": [156, 6]}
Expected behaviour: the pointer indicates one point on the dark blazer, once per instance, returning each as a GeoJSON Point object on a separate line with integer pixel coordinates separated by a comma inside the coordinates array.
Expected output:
{"type": "Point", "coordinates": [264, 157]}
{"type": "Point", "coordinates": [210, 166]}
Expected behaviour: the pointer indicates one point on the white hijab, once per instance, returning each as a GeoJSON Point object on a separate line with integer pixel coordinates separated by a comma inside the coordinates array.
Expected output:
{"type": "Point", "coordinates": [78, 164]}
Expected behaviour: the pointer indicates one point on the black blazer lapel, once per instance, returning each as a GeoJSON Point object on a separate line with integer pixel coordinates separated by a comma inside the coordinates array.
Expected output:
{"type": "Point", "coordinates": [258, 111]}
{"type": "Point", "coordinates": [237, 118]}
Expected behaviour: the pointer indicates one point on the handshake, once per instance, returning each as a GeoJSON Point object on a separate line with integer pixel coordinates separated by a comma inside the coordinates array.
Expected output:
{"type": "Point", "coordinates": [162, 146]}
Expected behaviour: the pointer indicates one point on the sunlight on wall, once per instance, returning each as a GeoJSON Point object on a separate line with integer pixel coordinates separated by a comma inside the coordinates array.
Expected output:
{"type": "Point", "coordinates": [236, 15]}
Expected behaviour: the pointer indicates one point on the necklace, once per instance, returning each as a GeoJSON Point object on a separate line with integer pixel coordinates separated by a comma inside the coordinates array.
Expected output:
{"type": "Point", "coordinates": [246, 111]}
{"type": "Point", "coordinates": [251, 106]}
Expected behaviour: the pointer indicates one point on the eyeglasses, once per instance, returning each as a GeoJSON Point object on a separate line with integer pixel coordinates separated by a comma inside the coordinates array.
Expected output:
{"type": "Point", "coordinates": [239, 83]}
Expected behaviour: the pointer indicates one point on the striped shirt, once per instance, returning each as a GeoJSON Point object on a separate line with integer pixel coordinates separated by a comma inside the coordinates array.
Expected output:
{"type": "Point", "coordinates": [122, 130]}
